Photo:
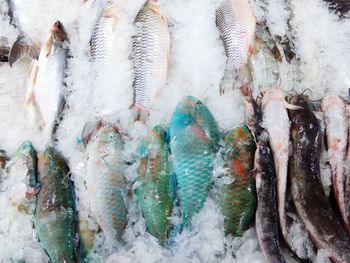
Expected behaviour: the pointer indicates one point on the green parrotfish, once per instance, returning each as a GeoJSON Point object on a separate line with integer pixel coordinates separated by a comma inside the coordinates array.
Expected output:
{"type": "Point", "coordinates": [238, 199]}
{"type": "Point", "coordinates": [194, 140]}
{"type": "Point", "coordinates": [156, 191]}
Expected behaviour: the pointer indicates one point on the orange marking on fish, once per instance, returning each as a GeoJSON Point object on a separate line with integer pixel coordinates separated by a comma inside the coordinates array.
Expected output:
{"type": "Point", "coordinates": [239, 167]}
{"type": "Point", "coordinates": [198, 130]}
{"type": "Point", "coordinates": [142, 167]}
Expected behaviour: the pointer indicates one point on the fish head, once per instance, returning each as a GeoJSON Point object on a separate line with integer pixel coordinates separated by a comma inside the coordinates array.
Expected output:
{"type": "Point", "coordinates": [58, 32]}
{"type": "Point", "coordinates": [274, 93]}
{"type": "Point", "coordinates": [51, 159]}
{"type": "Point", "coordinates": [153, 5]}
{"type": "Point", "coordinates": [25, 148]}
{"type": "Point", "coordinates": [332, 100]}
{"type": "Point", "coordinates": [155, 138]}
{"type": "Point", "coordinates": [107, 135]}
{"type": "Point", "coordinates": [299, 100]}
{"type": "Point", "coordinates": [110, 9]}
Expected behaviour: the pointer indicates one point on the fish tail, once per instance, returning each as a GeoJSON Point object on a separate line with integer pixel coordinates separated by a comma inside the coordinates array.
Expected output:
{"type": "Point", "coordinates": [22, 47]}
{"type": "Point", "coordinates": [139, 113]}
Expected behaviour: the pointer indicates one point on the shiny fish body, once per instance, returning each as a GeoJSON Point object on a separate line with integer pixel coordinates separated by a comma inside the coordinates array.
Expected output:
{"type": "Point", "coordinates": [156, 192]}
{"type": "Point", "coordinates": [105, 181]}
{"type": "Point", "coordinates": [307, 191]}
{"type": "Point", "coordinates": [55, 221]}
{"type": "Point", "coordinates": [266, 222]}
{"type": "Point", "coordinates": [44, 93]}
{"type": "Point", "coordinates": [193, 138]}
{"type": "Point", "coordinates": [276, 122]}
{"type": "Point", "coordinates": [337, 136]}
{"type": "Point", "coordinates": [151, 49]}
{"type": "Point", "coordinates": [236, 22]}
{"type": "Point", "coordinates": [103, 40]}
{"type": "Point", "coordinates": [238, 199]}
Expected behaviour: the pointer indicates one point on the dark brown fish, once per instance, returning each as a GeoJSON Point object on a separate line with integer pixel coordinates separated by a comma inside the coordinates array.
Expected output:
{"type": "Point", "coordinates": [266, 222]}
{"type": "Point", "coordinates": [308, 195]}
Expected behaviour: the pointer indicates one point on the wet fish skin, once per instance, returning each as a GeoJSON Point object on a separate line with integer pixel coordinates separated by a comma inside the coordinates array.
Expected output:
{"type": "Point", "coordinates": [156, 192]}
{"type": "Point", "coordinates": [44, 98]}
{"type": "Point", "coordinates": [266, 221]}
{"type": "Point", "coordinates": [238, 199]}
{"type": "Point", "coordinates": [307, 191]}
{"type": "Point", "coordinates": [102, 43]}
{"type": "Point", "coordinates": [193, 138]}
{"type": "Point", "coordinates": [54, 217]}
{"type": "Point", "coordinates": [337, 131]}
{"type": "Point", "coordinates": [106, 183]}
{"type": "Point", "coordinates": [236, 22]}
{"type": "Point", "coordinates": [151, 52]}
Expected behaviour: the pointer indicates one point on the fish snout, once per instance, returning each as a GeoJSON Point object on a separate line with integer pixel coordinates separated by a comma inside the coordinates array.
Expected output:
{"type": "Point", "coordinates": [58, 31]}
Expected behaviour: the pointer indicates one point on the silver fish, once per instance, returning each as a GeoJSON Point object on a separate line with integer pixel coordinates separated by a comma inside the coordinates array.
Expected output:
{"type": "Point", "coordinates": [151, 51]}
{"type": "Point", "coordinates": [44, 97]}
{"type": "Point", "coordinates": [236, 22]}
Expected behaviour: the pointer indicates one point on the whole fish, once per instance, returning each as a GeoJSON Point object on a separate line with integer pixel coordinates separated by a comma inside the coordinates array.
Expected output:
{"type": "Point", "coordinates": [44, 94]}
{"type": "Point", "coordinates": [266, 222]}
{"type": "Point", "coordinates": [151, 51]}
{"type": "Point", "coordinates": [193, 138]}
{"type": "Point", "coordinates": [277, 124]}
{"type": "Point", "coordinates": [238, 199]}
{"type": "Point", "coordinates": [102, 44]}
{"type": "Point", "coordinates": [337, 131]}
{"type": "Point", "coordinates": [236, 22]}
{"type": "Point", "coordinates": [307, 191]}
{"type": "Point", "coordinates": [105, 181]}
{"type": "Point", "coordinates": [55, 221]}
{"type": "Point", "coordinates": [156, 192]}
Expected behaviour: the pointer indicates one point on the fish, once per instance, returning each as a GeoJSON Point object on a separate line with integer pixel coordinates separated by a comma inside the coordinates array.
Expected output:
{"type": "Point", "coordinates": [337, 130]}
{"type": "Point", "coordinates": [102, 43]}
{"type": "Point", "coordinates": [105, 181]}
{"type": "Point", "coordinates": [44, 98]}
{"type": "Point", "coordinates": [151, 55]}
{"type": "Point", "coordinates": [266, 217]}
{"type": "Point", "coordinates": [55, 215]}
{"type": "Point", "coordinates": [276, 123]}
{"type": "Point", "coordinates": [193, 138]}
{"type": "Point", "coordinates": [308, 196]}
{"type": "Point", "coordinates": [236, 22]}
{"type": "Point", "coordinates": [156, 191]}
{"type": "Point", "coordinates": [238, 199]}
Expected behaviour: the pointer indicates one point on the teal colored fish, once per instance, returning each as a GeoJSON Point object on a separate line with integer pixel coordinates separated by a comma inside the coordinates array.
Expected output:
{"type": "Point", "coordinates": [194, 139]}
{"type": "Point", "coordinates": [54, 216]}
{"type": "Point", "coordinates": [156, 191]}
{"type": "Point", "coordinates": [238, 199]}
{"type": "Point", "coordinates": [106, 183]}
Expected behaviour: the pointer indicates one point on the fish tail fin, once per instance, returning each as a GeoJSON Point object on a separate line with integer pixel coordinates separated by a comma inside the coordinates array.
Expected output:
{"type": "Point", "coordinates": [22, 47]}
{"type": "Point", "coordinates": [227, 80]}
{"type": "Point", "coordinates": [139, 114]}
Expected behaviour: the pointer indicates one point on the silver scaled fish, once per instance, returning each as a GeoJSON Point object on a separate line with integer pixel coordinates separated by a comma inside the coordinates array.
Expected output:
{"type": "Point", "coordinates": [151, 51]}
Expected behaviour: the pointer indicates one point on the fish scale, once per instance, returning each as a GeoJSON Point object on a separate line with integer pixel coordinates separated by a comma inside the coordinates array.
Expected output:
{"type": "Point", "coordinates": [102, 40]}
{"type": "Point", "coordinates": [193, 151]}
{"type": "Point", "coordinates": [156, 192]}
{"type": "Point", "coordinates": [106, 182]}
{"type": "Point", "coordinates": [151, 47]}
{"type": "Point", "coordinates": [55, 210]}
{"type": "Point", "coordinates": [236, 23]}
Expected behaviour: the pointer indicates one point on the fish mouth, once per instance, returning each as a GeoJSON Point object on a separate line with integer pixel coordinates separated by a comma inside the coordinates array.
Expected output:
{"type": "Point", "coordinates": [110, 9]}
{"type": "Point", "coordinates": [58, 31]}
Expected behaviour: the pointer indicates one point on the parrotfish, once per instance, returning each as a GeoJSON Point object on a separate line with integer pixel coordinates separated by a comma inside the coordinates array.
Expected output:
{"type": "Point", "coordinates": [105, 181]}
{"type": "Point", "coordinates": [156, 192]}
{"type": "Point", "coordinates": [55, 216]}
{"type": "Point", "coordinates": [309, 198]}
{"type": "Point", "coordinates": [193, 137]}
{"type": "Point", "coordinates": [151, 52]}
{"type": "Point", "coordinates": [238, 199]}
